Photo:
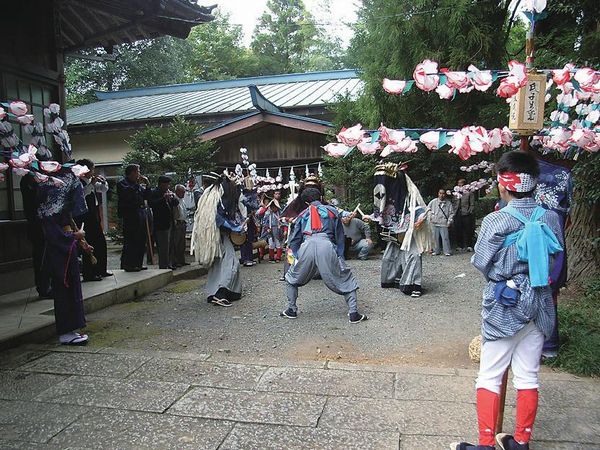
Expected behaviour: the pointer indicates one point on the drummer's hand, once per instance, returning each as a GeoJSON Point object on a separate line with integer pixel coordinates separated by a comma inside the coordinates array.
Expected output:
{"type": "Point", "coordinates": [419, 222]}
{"type": "Point", "coordinates": [79, 235]}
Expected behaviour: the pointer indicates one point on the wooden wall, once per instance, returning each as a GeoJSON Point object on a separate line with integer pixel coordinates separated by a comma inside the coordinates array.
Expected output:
{"type": "Point", "coordinates": [271, 145]}
{"type": "Point", "coordinates": [29, 64]}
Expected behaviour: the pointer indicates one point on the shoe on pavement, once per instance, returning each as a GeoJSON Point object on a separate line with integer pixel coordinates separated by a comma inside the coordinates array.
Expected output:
{"type": "Point", "coordinates": [469, 249]}
{"type": "Point", "coordinates": [221, 302]}
{"type": "Point", "coordinates": [288, 313]}
{"type": "Point", "coordinates": [107, 274]}
{"type": "Point", "coordinates": [467, 446]}
{"type": "Point", "coordinates": [94, 278]}
{"type": "Point", "coordinates": [356, 317]}
{"type": "Point", "coordinates": [73, 338]}
{"type": "Point", "coordinates": [448, 254]}
{"type": "Point", "coordinates": [434, 254]}
{"type": "Point", "coordinates": [507, 442]}
{"type": "Point", "coordinates": [282, 279]}
{"type": "Point", "coordinates": [415, 294]}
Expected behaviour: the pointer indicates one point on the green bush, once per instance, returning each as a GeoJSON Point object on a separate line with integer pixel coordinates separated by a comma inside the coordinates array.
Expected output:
{"type": "Point", "coordinates": [579, 326]}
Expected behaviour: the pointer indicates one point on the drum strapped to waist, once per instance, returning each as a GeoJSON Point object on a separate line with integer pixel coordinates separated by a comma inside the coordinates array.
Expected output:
{"type": "Point", "coordinates": [238, 238]}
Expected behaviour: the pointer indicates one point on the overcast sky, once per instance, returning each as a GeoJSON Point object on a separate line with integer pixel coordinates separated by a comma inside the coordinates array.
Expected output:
{"type": "Point", "coordinates": [247, 12]}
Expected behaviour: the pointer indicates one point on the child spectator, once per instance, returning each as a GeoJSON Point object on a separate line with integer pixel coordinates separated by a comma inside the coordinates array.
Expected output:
{"type": "Point", "coordinates": [512, 252]}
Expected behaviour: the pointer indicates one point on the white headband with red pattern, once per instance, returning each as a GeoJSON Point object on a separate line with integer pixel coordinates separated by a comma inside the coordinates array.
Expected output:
{"type": "Point", "coordinates": [517, 182]}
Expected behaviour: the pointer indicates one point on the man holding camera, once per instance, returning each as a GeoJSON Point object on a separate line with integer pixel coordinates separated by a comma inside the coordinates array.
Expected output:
{"type": "Point", "coordinates": [132, 191]}
{"type": "Point", "coordinates": [92, 224]}
{"type": "Point", "coordinates": [162, 201]}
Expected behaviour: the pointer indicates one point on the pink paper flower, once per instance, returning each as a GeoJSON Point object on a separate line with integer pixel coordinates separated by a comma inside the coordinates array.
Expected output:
{"type": "Point", "coordinates": [506, 136]}
{"type": "Point", "coordinates": [517, 70]}
{"type": "Point", "coordinates": [534, 5]}
{"type": "Point", "coordinates": [459, 145]}
{"type": "Point", "coordinates": [393, 86]}
{"type": "Point", "coordinates": [456, 80]}
{"type": "Point", "coordinates": [367, 148]}
{"type": "Point", "coordinates": [25, 119]}
{"type": "Point", "coordinates": [495, 138]}
{"type": "Point", "coordinates": [80, 170]}
{"type": "Point", "coordinates": [50, 166]}
{"type": "Point", "coordinates": [390, 136]}
{"type": "Point", "coordinates": [561, 76]}
{"type": "Point", "coordinates": [20, 171]}
{"type": "Point", "coordinates": [593, 116]}
{"type": "Point", "coordinates": [507, 88]}
{"type": "Point", "coordinates": [481, 79]}
{"type": "Point", "coordinates": [467, 89]}
{"type": "Point", "coordinates": [2, 113]}
{"type": "Point", "coordinates": [351, 136]}
{"type": "Point", "coordinates": [430, 139]}
{"type": "Point", "coordinates": [40, 177]}
{"type": "Point", "coordinates": [425, 75]}
{"type": "Point", "coordinates": [18, 108]}
{"type": "Point", "coordinates": [582, 137]}
{"type": "Point", "coordinates": [586, 78]}
{"type": "Point", "coordinates": [445, 92]}
{"type": "Point", "coordinates": [3, 167]}
{"type": "Point", "coordinates": [336, 150]}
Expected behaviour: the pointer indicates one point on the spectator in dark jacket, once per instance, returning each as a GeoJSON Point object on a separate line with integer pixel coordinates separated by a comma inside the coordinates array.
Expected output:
{"type": "Point", "coordinates": [162, 201]}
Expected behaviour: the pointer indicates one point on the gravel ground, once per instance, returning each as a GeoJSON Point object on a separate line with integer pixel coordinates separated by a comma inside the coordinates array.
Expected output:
{"type": "Point", "coordinates": [433, 330]}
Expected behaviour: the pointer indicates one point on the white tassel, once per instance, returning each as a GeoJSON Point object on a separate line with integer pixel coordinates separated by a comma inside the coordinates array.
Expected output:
{"type": "Point", "coordinates": [206, 238]}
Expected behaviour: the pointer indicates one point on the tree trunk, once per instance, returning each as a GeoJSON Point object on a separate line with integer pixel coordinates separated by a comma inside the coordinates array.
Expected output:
{"type": "Point", "coordinates": [583, 241]}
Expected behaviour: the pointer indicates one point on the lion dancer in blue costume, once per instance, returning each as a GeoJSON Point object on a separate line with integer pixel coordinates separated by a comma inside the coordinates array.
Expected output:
{"type": "Point", "coordinates": [317, 243]}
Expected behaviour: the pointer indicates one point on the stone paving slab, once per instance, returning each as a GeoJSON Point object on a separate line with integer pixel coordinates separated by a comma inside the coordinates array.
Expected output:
{"type": "Point", "coordinates": [229, 376]}
{"type": "Point", "coordinates": [328, 382]}
{"type": "Point", "coordinates": [156, 353]}
{"type": "Point", "coordinates": [22, 445]}
{"type": "Point", "coordinates": [95, 364]}
{"type": "Point", "coordinates": [25, 385]}
{"type": "Point", "coordinates": [568, 424]}
{"type": "Point", "coordinates": [277, 437]}
{"type": "Point", "coordinates": [270, 362]}
{"type": "Point", "coordinates": [392, 368]}
{"type": "Point", "coordinates": [11, 359]}
{"type": "Point", "coordinates": [566, 394]}
{"type": "Point", "coordinates": [34, 422]}
{"type": "Point", "coordinates": [248, 406]}
{"type": "Point", "coordinates": [151, 396]}
{"type": "Point", "coordinates": [434, 387]}
{"type": "Point", "coordinates": [135, 430]}
{"type": "Point", "coordinates": [407, 417]}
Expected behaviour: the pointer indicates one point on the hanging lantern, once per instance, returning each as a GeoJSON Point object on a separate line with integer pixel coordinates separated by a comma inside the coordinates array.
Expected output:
{"type": "Point", "coordinates": [527, 106]}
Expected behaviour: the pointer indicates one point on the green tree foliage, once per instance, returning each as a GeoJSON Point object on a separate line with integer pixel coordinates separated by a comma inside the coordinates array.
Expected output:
{"type": "Point", "coordinates": [217, 53]}
{"type": "Point", "coordinates": [174, 148]}
{"type": "Point", "coordinates": [288, 39]}
{"type": "Point", "coordinates": [144, 63]}
{"type": "Point", "coordinates": [391, 38]}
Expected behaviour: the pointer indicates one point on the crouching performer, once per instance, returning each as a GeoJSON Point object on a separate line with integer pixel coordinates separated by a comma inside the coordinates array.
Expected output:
{"type": "Point", "coordinates": [217, 216]}
{"type": "Point", "coordinates": [513, 253]}
{"type": "Point", "coordinates": [317, 244]}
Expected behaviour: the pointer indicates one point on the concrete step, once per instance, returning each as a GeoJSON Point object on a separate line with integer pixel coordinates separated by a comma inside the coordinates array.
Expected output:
{"type": "Point", "coordinates": [26, 319]}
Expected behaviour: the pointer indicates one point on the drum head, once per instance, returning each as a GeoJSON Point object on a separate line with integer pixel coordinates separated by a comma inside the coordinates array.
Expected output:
{"type": "Point", "coordinates": [237, 238]}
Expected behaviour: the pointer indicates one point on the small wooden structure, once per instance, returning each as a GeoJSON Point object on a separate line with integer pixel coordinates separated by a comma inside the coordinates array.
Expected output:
{"type": "Point", "coordinates": [36, 35]}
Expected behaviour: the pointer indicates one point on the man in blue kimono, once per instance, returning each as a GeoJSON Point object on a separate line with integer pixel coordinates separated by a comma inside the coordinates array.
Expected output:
{"type": "Point", "coordinates": [317, 243]}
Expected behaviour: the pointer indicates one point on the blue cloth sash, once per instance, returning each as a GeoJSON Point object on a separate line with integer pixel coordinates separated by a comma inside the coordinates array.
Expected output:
{"type": "Point", "coordinates": [535, 243]}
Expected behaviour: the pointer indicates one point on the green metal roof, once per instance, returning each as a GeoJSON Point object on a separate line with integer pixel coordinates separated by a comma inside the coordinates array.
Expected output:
{"type": "Point", "coordinates": [216, 97]}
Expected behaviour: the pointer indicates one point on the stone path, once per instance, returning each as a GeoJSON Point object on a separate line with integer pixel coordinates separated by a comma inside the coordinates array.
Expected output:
{"type": "Point", "coordinates": [56, 397]}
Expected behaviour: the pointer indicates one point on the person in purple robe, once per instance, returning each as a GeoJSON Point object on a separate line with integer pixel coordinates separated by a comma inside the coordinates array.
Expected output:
{"type": "Point", "coordinates": [58, 204]}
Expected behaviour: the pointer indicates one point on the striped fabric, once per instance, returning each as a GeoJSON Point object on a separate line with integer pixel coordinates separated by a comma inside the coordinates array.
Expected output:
{"type": "Point", "coordinates": [498, 263]}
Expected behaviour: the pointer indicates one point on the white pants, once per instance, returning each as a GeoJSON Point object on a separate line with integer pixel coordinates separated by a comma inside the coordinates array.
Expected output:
{"type": "Point", "coordinates": [521, 351]}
